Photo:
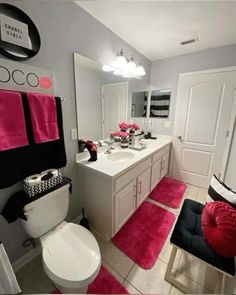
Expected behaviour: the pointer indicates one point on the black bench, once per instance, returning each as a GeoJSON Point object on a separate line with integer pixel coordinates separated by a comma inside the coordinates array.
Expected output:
{"type": "Point", "coordinates": [187, 236]}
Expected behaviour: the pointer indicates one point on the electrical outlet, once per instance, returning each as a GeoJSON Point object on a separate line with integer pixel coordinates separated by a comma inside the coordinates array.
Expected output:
{"type": "Point", "coordinates": [74, 134]}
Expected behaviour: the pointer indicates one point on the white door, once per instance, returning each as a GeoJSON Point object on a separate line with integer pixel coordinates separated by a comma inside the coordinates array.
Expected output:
{"type": "Point", "coordinates": [114, 105]}
{"type": "Point", "coordinates": [202, 117]}
{"type": "Point", "coordinates": [125, 204]}
{"type": "Point", "coordinates": [144, 186]}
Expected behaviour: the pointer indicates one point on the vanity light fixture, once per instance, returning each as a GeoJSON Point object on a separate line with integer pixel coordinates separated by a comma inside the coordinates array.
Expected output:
{"type": "Point", "coordinates": [127, 68]}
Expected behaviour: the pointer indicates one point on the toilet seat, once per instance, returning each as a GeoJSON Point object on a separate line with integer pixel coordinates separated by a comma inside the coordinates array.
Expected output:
{"type": "Point", "coordinates": [71, 256]}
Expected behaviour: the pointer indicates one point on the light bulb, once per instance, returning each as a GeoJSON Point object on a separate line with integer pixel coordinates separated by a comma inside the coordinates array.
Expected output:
{"type": "Point", "coordinates": [131, 67]}
{"type": "Point", "coordinates": [107, 68]}
{"type": "Point", "coordinates": [117, 73]}
{"type": "Point", "coordinates": [140, 71]}
{"type": "Point", "coordinates": [120, 63]}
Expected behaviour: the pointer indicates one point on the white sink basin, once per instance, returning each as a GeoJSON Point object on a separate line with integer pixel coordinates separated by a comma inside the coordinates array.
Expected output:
{"type": "Point", "coordinates": [120, 156]}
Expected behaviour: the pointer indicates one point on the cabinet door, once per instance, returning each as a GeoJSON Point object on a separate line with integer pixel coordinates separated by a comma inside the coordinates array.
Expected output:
{"type": "Point", "coordinates": [125, 204]}
{"type": "Point", "coordinates": [143, 186]}
{"type": "Point", "coordinates": [165, 165]}
{"type": "Point", "coordinates": [156, 173]}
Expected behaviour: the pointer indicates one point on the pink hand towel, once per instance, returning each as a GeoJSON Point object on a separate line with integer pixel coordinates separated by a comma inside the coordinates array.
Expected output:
{"type": "Point", "coordinates": [12, 121]}
{"type": "Point", "coordinates": [43, 117]}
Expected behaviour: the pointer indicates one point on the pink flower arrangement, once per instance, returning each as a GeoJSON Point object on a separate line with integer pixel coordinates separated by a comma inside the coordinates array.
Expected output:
{"type": "Point", "coordinates": [125, 129]}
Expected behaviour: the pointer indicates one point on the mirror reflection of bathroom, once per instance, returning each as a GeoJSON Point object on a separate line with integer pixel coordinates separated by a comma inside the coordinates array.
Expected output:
{"type": "Point", "coordinates": [160, 103]}
{"type": "Point", "coordinates": [103, 100]}
{"type": "Point", "coordinates": [139, 104]}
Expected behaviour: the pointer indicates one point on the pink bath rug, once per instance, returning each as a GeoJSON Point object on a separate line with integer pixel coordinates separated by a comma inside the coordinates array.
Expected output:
{"type": "Point", "coordinates": [169, 192]}
{"type": "Point", "coordinates": [104, 283]}
{"type": "Point", "coordinates": [144, 234]}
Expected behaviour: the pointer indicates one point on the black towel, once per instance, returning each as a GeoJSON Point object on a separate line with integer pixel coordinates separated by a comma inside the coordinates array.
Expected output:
{"type": "Point", "coordinates": [14, 207]}
{"type": "Point", "coordinates": [19, 163]}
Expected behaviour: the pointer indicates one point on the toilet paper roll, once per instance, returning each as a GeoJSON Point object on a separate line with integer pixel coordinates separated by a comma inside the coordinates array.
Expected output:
{"type": "Point", "coordinates": [33, 179]}
{"type": "Point", "coordinates": [54, 172]}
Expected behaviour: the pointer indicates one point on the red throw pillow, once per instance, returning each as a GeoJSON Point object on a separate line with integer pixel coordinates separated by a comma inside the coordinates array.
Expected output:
{"type": "Point", "coordinates": [219, 228]}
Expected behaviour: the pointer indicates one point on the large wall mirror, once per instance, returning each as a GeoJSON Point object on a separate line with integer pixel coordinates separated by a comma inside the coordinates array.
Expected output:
{"type": "Point", "coordinates": [103, 100]}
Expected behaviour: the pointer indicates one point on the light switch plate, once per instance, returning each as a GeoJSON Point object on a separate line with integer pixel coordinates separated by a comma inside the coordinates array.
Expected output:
{"type": "Point", "coordinates": [167, 124]}
{"type": "Point", "coordinates": [74, 134]}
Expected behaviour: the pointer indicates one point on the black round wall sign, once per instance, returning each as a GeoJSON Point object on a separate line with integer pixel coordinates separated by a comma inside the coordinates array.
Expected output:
{"type": "Point", "coordinates": [14, 51]}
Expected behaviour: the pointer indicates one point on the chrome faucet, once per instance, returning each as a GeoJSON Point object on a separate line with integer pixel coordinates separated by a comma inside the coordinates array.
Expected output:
{"type": "Point", "coordinates": [109, 147]}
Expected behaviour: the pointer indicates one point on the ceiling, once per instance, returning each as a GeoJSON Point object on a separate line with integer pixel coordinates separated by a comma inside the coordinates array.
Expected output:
{"type": "Point", "coordinates": [156, 28]}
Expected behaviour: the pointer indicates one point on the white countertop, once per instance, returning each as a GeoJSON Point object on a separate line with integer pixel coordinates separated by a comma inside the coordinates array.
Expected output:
{"type": "Point", "coordinates": [112, 169]}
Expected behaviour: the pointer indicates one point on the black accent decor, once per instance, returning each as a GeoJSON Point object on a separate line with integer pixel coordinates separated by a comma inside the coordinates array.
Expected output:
{"type": "Point", "coordinates": [14, 207]}
{"type": "Point", "coordinates": [217, 197]}
{"type": "Point", "coordinates": [13, 51]}
{"type": "Point", "coordinates": [17, 164]}
{"type": "Point", "coordinates": [188, 236]}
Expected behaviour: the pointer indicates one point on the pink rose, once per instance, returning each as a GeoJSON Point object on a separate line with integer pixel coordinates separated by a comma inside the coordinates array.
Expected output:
{"type": "Point", "coordinates": [124, 134]}
{"type": "Point", "coordinates": [123, 126]}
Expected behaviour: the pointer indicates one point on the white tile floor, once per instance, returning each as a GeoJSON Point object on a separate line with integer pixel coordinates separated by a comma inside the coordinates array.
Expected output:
{"type": "Point", "coordinates": [197, 276]}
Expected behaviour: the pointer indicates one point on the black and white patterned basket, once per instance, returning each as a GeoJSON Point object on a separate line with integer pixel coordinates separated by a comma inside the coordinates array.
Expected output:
{"type": "Point", "coordinates": [35, 185]}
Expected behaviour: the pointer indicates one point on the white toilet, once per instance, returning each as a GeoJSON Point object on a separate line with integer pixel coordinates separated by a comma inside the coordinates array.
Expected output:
{"type": "Point", "coordinates": [70, 253]}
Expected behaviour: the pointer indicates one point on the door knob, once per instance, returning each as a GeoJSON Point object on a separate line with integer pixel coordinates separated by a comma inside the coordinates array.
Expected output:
{"type": "Point", "coordinates": [180, 138]}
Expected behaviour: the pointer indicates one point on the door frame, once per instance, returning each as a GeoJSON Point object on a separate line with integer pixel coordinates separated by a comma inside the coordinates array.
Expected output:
{"type": "Point", "coordinates": [126, 103]}
{"type": "Point", "coordinates": [232, 118]}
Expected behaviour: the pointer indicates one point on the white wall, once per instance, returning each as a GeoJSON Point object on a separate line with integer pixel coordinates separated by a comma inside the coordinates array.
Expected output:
{"type": "Point", "coordinates": [165, 74]}
{"type": "Point", "coordinates": [64, 28]}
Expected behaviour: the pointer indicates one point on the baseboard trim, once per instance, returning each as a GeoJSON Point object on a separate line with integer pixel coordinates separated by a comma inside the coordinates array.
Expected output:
{"type": "Point", "coordinates": [33, 253]}
{"type": "Point", "coordinates": [29, 256]}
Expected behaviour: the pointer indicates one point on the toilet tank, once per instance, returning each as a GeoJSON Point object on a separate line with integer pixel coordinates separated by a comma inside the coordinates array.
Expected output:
{"type": "Point", "coordinates": [46, 212]}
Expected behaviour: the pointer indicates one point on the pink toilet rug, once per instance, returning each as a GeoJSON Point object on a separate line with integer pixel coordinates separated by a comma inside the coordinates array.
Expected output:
{"type": "Point", "coordinates": [169, 192]}
{"type": "Point", "coordinates": [144, 234]}
{"type": "Point", "coordinates": [104, 283]}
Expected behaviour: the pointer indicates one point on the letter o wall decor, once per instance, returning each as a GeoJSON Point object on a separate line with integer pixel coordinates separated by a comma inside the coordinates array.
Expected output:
{"type": "Point", "coordinates": [19, 37]}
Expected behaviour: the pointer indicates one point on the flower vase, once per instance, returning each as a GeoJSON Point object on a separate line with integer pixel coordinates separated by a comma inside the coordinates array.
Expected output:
{"type": "Point", "coordinates": [124, 142]}
{"type": "Point", "coordinates": [131, 137]}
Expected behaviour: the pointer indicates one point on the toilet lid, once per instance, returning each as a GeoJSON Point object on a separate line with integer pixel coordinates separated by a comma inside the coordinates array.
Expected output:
{"type": "Point", "coordinates": [71, 253]}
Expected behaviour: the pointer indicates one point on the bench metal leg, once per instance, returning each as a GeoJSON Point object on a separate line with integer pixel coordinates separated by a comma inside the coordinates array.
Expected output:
{"type": "Point", "coordinates": [169, 277]}
{"type": "Point", "coordinates": [219, 283]}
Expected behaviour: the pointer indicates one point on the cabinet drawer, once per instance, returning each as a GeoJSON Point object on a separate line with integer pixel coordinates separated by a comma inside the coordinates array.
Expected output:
{"type": "Point", "coordinates": [131, 174]}
{"type": "Point", "coordinates": [157, 156]}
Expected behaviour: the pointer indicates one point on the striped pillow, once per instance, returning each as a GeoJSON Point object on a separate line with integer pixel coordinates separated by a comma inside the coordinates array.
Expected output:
{"type": "Point", "coordinates": [218, 191]}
